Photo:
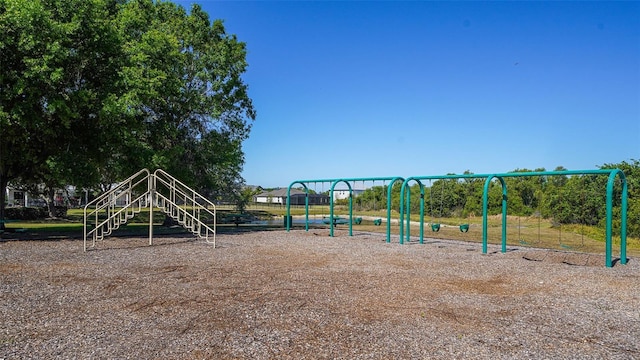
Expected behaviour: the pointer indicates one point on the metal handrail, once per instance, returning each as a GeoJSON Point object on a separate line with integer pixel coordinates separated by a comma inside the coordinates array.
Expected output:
{"type": "Point", "coordinates": [107, 202]}
{"type": "Point", "coordinates": [149, 197]}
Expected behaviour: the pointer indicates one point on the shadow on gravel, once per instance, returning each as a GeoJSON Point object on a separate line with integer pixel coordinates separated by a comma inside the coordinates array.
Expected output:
{"type": "Point", "coordinates": [567, 258]}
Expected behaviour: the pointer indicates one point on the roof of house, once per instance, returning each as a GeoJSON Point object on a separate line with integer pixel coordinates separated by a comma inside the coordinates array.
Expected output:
{"type": "Point", "coordinates": [316, 195]}
{"type": "Point", "coordinates": [282, 192]}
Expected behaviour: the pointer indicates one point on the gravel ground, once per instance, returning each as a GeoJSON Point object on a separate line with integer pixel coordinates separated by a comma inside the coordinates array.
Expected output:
{"type": "Point", "coordinates": [304, 295]}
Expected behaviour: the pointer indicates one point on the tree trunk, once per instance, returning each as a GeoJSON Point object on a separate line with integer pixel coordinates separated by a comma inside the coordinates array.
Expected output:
{"type": "Point", "coordinates": [3, 196]}
{"type": "Point", "coordinates": [51, 204]}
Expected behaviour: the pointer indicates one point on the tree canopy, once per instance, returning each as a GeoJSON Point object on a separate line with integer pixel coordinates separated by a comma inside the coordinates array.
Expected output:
{"type": "Point", "coordinates": [93, 90]}
{"type": "Point", "coordinates": [578, 199]}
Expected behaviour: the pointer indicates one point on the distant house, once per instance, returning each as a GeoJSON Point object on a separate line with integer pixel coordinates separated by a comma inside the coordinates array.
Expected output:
{"type": "Point", "coordinates": [20, 197]}
{"type": "Point", "coordinates": [279, 196]}
{"type": "Point", "coordinates": [314, 199]}
{"type": "Point", "coordinates": [339, 194]}
{"type": "Point", "coordinates": [16, 197]}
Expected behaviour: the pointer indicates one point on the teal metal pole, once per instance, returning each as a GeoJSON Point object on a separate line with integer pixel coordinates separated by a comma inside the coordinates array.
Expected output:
{"type": "Point", "coordinates": [306, 207]}
{"type": "Point", "coordinates": [389, 202]}
{"type": "Point", "coordinates": [402, 211]}
{"type": "Point", "coordinates": [288, 213]}
{"type": "Point", "coordinates": [389, 211]}
{"type": "Point", "coordinates": [504, 215]}
{"type": "Point", "coordinates": [331, 210]}
{"type": "Point", "coordinates": [350, 211]}
{"type": "Point", "coordinates": [421, 214]}
{"type": "Point", "coordinates": [623, 221]}
{"type": "Point", "coordinates": [408, 212]}
{"type": "Point", "coordinates": [608, 231]}
{"type": "Point", "coordinates": [623, 218]}
{"type": "Point", "coordinates": [408, 209]}
{"type": "Point", "coordinates": [485, 207]}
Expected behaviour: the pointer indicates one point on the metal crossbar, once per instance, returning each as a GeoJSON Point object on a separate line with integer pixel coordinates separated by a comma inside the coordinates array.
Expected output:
{"type": "Point", "coordinates": [144, 190]}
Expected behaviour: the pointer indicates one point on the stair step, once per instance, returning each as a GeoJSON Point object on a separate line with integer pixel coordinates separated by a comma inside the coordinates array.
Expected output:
{"type": "Point", "coordinates": [120, 214]}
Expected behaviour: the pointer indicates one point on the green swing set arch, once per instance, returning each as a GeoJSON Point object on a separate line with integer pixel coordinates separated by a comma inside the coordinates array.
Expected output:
{"type": "Point", "coordinates": [404, 194]}
{"type": "Point", "coordinates": [392, 180]}
{"type": "Point", "coordinates": [612, 175]}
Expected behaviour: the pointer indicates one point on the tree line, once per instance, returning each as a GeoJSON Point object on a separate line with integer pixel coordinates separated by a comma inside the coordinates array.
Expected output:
{"type": "Point", "coordinates": [577, 199]}
{"type": "Point", "coordinates": [91, 91]}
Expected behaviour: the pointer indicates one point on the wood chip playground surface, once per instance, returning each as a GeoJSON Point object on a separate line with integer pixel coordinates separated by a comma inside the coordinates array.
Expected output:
{"type": "Point", "coordinates": [304, 295]}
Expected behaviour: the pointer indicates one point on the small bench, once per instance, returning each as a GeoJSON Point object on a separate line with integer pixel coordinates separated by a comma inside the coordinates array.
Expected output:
{"type": "Point", "coordinates": [6, 221]}
{"type": "Point", "coordinates": [337, 220]}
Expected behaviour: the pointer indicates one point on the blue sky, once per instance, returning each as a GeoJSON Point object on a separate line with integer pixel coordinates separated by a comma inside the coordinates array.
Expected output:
{"type": "Point", "coordinates": [364, 89]}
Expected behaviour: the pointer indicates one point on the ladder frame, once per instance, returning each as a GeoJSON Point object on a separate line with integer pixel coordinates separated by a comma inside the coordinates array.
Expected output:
{"type": "Point", "coordinates": [144, 190]}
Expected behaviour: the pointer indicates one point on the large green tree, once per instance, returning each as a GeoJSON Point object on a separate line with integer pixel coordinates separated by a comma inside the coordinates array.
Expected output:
{"type": "Point", "coordinates": [184, 81]}
{"type": "Point", "coordinates": [58, 80]}
{"type": "Point", "coordinates": [93, 90]}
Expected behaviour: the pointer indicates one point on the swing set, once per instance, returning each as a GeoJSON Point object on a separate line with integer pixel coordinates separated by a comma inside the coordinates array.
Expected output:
{"type": "Point", "coordinates": [562, 242]}
{"type": "Point", "coordinates": [435, 226]}
{"type": "Point", "coordinates": [405, 196]}
{"type": "Point", "coordinates": [331, 218]}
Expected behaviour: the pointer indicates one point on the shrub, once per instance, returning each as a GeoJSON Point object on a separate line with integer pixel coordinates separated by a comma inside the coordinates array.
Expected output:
{"type": "Point", "coordinates": [34, 213]}
{"type": "Point", "coordinates": [26, 213]}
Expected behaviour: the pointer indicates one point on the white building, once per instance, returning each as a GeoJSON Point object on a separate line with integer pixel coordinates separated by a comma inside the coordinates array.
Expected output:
{"type": "Point", "coordinates": [16, 197]}
{"type": "Point", "coordinates": [279, 196]}
{"type": "Point", "coordinates": [20, 197]}
{"type": "Point", "coordinates": [340, 194]}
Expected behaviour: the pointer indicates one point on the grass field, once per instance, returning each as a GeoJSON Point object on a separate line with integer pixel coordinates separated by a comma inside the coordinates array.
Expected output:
{"type": "Point", "coordinates": [521, 231]}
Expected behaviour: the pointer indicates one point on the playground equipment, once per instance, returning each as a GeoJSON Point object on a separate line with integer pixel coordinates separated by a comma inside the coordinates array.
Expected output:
{"type": "Point", "coordinates": [435, 227]}
{"type": "Point", "coordinates": [612, 175]}
{"type": "Point", "coordinates": [406, 195]}
{"type": "Point", "coordinates": [145, 190]}
{"type": "Point", "coordinates": [336, 220]}
{"type": "Point", "coordinates": [488, 178]}
{"type": "Point", "coordinates": [334, 182]}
